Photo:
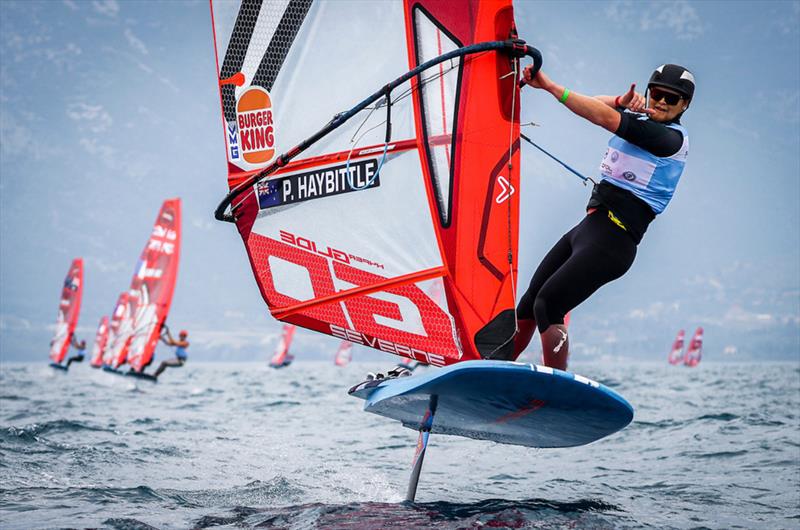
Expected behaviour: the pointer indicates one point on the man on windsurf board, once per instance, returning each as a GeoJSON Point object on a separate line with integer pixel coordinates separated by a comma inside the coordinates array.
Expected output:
{"type": "Point", "coordinates": [180, 350]}
{"type": "Point", "coordinates": [80, 346]}
{"type": "Point", "coordinates": [639, 173]}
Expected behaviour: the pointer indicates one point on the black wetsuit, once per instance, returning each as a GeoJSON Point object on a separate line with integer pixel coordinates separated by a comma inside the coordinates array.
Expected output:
{"type": "Point", "coordinates": [597, 250]}
{"type": "Point", "coordinates": [78, 358]}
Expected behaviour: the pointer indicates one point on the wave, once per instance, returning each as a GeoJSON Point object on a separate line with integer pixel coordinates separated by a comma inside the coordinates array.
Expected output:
{"type": "Point", "coordinates": [493, 513]}
{"type": "Point", "coordinates": [34, 433]}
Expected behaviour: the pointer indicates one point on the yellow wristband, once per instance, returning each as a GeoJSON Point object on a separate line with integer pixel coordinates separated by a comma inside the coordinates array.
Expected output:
{"type": "Point", "coordinates": [564, 96]}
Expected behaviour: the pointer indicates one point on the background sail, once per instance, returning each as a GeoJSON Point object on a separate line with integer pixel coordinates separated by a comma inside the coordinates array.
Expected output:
{"type": "Point", "coordinates": [344, 354]}
{"type": "Point", "coordinates": [115, 326]}
{"type": "Point", "coordinates": [346, 239]}
{"type": "Point", "coordinates": [120, 345]}
{"type": "Point", "coordinates": [695, 349]}
{"type": "Point", "coordinates": [69, 309]}
{"type": "Point", "coordinates": [281, 355]}
{"type": "Point", "coordinates": [154, 283]}
{"type": "Point", "coordinates": [676, 353]}
{"type": "Point", "coordinates": [100, 340]}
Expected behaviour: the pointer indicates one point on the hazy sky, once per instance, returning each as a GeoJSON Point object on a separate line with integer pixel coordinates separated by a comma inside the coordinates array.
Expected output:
{"type": "Point", "coordinates": [107, 108]}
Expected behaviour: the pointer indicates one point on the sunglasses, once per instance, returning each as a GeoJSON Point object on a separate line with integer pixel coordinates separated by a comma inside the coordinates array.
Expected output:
{"type": "Point", "coordinates": [670, 99]}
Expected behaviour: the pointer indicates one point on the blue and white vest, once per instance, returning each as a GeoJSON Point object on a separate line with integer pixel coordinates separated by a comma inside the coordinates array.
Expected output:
{"type": "Point", "coordinates": [653, 179]}
{"type": "Point", "coordinates": [180, 352]}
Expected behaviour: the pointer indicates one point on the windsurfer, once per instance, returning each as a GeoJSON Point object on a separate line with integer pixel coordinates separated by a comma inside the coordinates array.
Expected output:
{"type": "Point", "coordinates": [80, 346]}
{"type": "Point", "coordinates": [180, 350]}
{"type": "Point", "coordinates": [639, 173]}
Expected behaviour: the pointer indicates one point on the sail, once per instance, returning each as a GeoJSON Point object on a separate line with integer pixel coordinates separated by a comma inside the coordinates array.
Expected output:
{"type": "Point", "coordinates": [281, 356]}
{"type": "Point", "coordinates": [344, 354]}
{"type": "Point", "coordinates": [348, 220]}
{"type": "Point", "coordinates": [69, 309]}
{"type": "Point", "coordinates": [124, 316]}
{"type": "Point", "coordinates": [676, 353]}
{"type": "Point", "coordinates": [695, 349]}
{"type": "Point", "coordinates": [154, 283]}
{"type": "Point", "coordinates": [100, 340]}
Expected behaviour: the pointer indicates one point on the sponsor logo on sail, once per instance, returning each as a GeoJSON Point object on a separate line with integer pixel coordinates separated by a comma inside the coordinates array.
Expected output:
{"type": "Point", "coordinates": [254, 119]}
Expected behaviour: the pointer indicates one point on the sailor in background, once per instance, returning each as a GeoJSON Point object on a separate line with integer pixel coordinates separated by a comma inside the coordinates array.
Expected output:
{"type": "Point", "coordinates": [80, 346]}
{"type": "Point", "coordinates": [180, 350]}
{"type": "Point", "coordinates": [639, 173]}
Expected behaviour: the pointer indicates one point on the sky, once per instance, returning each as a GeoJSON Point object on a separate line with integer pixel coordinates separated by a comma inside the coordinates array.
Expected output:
{"type": "Point", "coordinates": [107, 108]}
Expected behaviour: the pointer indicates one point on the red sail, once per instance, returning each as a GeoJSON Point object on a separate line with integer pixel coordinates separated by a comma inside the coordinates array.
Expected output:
{"type": "Point", "coordinates": [676, 353]}
{"type": "Point", "coordinates": [121, 341]}
{"type": "Point", "coordinates": [344, 354]}
{"type": "Point", "coordinates": [116, 330]}
{"type": "Point", "coordinates": [695, 350]}
{"type": "Point", "coordinates": [281, 356]}
{"type": "Point", "coordinates": [69, 309]}
{"type": "Point", "coordinates": [154, 283]}
{"type": "Point", "coordinates": [346, 238]}
{"type": "Point", "coordinates": [100, 340]}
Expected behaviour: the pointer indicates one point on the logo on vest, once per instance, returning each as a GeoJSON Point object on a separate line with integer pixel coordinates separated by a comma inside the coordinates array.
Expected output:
{"type": "Point", "coordinates": [629, 176]}
{"type": "Point", "coordinates": [614, 156]}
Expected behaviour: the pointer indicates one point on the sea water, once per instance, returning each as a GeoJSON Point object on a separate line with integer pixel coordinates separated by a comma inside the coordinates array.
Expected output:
{"type": "Point", "coordinates": [242, 445]}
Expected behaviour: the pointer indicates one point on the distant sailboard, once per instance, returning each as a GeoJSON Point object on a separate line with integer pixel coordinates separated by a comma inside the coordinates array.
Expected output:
{"type": "Point", "coordinates": [118, 333]}
{"type": "Point", "coordinates": [676, 353]}
{"type": "Point", "coordinates": [695, 349]}
{"type": "Point", "coordinates": [282, 358]}
{"type": "Point", "coordinates": [100, 340]}
{"type": "Point", "coordinates": [69, 309]}
{"type": "Point", "coordinates": [344, 354]}
{"type": "Point", "coordinates": [351, 211]}
{"type": "Point", "coordinates": [142, 311]}
{"type": "Point", "coordinates": [154, 283]}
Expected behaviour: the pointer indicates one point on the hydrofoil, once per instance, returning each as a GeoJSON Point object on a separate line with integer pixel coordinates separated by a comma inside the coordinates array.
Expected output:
{"type": "Point", "coordinates": [499, 401]}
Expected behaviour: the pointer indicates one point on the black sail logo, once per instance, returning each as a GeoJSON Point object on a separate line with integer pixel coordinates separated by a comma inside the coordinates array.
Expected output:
{"type": "Point", "coordinates": [317, 184]}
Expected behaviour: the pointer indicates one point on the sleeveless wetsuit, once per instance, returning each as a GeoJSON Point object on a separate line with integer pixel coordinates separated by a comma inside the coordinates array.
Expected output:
{"type": "Point", "coordinates": [640, 171]}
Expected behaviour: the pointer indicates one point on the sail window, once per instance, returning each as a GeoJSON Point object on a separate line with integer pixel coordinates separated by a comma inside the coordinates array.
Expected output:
{"type": "Point", "coordinates": [439, 100]}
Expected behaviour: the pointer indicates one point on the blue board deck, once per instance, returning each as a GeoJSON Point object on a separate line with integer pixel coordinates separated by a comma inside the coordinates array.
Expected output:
{"type": "Point", "coordinates": [505, 402]}
{"type": "Point", "coordinates": [59, 366]}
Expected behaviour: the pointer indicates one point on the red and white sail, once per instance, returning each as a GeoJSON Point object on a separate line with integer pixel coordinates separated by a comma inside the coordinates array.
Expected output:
{"type": "Point", "coordinates": [100, 340]}
{"type": "Point", "coordinates": [349, 230]}
{"type": "Point", "coordinates": [69, 309]}
{"type": "Point", "coordinates": [695, 349]}
{"type": "Point", "coordinates": [281, 356]}
{"type": "Point", "coordinates": [676, 353]}
{"type": "Point", "coordinates": [154, 283]}
{"type": "Point", "coordinates": [122, 326]}
{"type": "Point", "coordinates": [344, 354]}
